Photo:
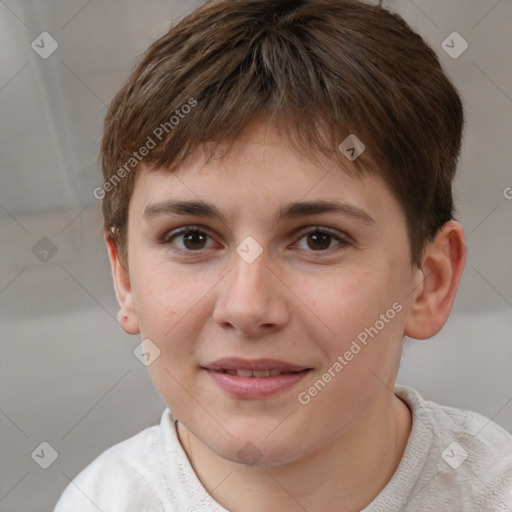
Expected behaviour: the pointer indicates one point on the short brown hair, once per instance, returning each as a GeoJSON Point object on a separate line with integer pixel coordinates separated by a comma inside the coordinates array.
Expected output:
{"type": "Point", "coordinates": [321, 70]}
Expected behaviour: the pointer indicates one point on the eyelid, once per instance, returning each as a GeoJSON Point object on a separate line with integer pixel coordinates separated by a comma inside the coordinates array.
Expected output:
{"type": "Point", "coordinates": [171, 233]}
{"type": "Point", "coordinates": [342, 238]}
{"type": "Point", "coordinates": [340, 235]}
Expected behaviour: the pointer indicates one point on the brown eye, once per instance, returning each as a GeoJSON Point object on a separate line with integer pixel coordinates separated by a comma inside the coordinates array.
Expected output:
{"type": "Point", "coordinates": [194, 240]}
{"type": "Point", "coordinates": [320, 240]}
{"type": "Point", "coordinates": [191, 240]}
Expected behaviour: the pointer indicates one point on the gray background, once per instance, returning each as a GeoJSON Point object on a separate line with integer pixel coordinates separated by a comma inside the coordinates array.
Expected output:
{"type": "Point", "coordinates": [68, 373]}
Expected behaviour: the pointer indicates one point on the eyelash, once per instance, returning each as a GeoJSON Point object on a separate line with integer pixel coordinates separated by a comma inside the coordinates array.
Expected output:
{"type": "Point", "coordinates": [170, 236]}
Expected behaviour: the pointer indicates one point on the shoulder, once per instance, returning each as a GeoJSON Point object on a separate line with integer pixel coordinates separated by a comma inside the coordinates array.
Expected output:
{"type": "Point", "coordinates": [473, 453]}
{"type": "Point", "coordinates": [478, 433]}
{"type": "Point", "coordinates": [122, 478]}
{"type": "Point", "coordinates": [478, 429]}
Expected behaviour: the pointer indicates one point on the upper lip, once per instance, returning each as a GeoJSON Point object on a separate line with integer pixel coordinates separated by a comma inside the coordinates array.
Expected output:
{"type": "Point", "coordinates": [235, 363]}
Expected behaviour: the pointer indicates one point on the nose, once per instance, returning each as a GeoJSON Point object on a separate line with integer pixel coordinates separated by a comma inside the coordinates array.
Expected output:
{"type": "Point", "coordinates": [252, 299]}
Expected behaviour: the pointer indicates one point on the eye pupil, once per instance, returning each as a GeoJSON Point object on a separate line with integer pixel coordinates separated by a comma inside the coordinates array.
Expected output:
{"type": "Point", "coordinates": [323, 237]}
{"type": "Point", "coordinates": [193, 236]}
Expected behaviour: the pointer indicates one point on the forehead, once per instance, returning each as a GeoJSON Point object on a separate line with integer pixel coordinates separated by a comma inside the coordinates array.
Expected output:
{"type": "Point", "coordinates": [261, 172]}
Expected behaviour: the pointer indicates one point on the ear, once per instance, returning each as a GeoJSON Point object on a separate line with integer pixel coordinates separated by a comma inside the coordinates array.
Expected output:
{"type": "Point", "coordinates": [442, 265]}
{"type": "Point", "coordinates": [127, 316]}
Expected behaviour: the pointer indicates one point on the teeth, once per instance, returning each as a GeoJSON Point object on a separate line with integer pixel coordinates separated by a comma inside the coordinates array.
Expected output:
{"type": "Point", "coordinates": [254, 373]}
{"type": "Point", "coordinates": [261, 373]}
{"type": "Point", "coordinates": [243, 373]}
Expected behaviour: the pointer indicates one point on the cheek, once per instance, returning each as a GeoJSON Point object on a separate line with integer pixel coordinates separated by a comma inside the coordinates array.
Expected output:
{"type": "Point", "coordinates": [363, 314]}
{"type": "Point", "coordinates": [346, 300]}
{"type": "Point", "coordinates": [171, 314]}
{"type": "Point", "coordinates": [165, 301]}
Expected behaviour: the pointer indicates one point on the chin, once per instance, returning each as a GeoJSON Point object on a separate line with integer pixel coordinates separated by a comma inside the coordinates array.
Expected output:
{"type": "Point", "coordinates": [253, 452]}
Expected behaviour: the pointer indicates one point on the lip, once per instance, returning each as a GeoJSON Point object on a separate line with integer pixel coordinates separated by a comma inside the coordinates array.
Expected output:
{"type": "Point", "coordinates": [254, 387]}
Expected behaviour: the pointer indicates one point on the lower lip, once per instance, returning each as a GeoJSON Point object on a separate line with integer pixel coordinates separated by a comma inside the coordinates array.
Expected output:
{"type": "Point", "coordinates": [255, 387]}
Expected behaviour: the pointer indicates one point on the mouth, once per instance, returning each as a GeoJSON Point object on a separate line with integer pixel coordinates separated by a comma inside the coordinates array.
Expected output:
{"type": "Point", "coordinates": [254, 367]}
{"type": "Point", "coordinates": [256, 378]}
{"type": "Point", "coordinates": [272, 372]}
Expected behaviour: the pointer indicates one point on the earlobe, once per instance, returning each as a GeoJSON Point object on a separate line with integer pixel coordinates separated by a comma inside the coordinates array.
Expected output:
{"type": "Point", "coordinates": [127, 316]}
{"type": "Point", "coordinates": [442, 265]}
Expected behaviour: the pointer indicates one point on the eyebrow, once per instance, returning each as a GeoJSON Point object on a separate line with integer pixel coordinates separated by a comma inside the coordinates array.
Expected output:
{"type": "Point", "coordinates": [292, 210]}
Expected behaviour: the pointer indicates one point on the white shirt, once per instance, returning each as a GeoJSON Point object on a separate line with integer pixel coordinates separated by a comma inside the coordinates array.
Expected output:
{"type": "Point", "coordinates": [455, 460]}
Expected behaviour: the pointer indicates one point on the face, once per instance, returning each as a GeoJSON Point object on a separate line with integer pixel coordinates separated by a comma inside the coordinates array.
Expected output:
{"type": "Point", "coordinates": [326, 291]}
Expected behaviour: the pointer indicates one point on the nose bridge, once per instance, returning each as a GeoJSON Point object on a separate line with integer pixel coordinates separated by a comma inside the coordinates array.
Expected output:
{"type": "Point", "coordinates": [250, 278]}
{"type": "Point", "coordinates": [250, 297]}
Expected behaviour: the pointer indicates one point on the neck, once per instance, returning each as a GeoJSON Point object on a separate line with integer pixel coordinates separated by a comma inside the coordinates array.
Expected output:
{"type": "Point", "coordinates": [343, 475]}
